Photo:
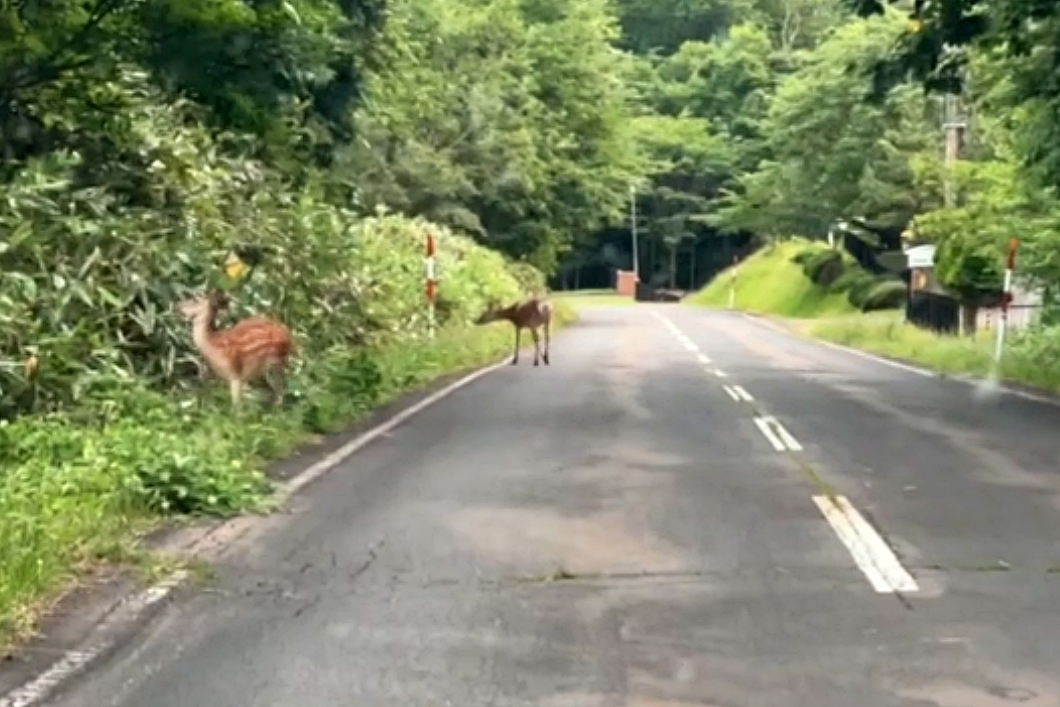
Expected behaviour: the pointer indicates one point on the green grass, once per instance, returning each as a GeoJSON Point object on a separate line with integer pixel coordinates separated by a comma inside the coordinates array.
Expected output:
{"type": "Point", "coordinates": [1029, 358]}
{"type": "Point", "coordinates": [768, 282]}
{"type": "Point", "coordinates": [77, 494]}
{"type": "Point", "coordinates": [886, 334]}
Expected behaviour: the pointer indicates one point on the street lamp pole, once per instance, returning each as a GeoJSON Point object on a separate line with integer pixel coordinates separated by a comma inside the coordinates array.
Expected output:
{"type": "Point", "coordinates": [633, 226]}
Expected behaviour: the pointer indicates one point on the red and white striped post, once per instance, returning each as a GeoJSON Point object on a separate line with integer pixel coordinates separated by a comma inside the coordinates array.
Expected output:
{"type": "Point", "coordinates": [429, 268]}
{"type": "Point", "coordinates": [1006, 298]}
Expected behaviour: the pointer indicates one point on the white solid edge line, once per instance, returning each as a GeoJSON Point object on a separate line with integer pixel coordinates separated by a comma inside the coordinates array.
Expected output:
{"type": "Point", "coordinates": [732, 393]}
{"type": "Point", "coordinates": [704, 359]}
{"type": "Point", "coordinates": [879, 359]}
{"type": "Point", "coordinates": [765, 429]}
{"type": "Point", "coordinates": [690, 346]}
{"type": "Point", "coordinates": [789, 440]}
{"type": "Point", "coordinates": [909, 368]}
{"type": "Point", "coordinates": [871, 554]}
{"type": "Point", "coordinates": [744, 395]}
{"type": "Point", "coordinates": [353, 445]}
{"type": "Point", "coordinates": [846, 349]}
{"type": "Point", "coordinates": [73, 661]}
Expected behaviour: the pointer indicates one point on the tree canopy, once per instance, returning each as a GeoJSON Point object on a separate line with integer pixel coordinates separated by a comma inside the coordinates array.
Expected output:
{"type": "Point", "coordinates": [530, 125]}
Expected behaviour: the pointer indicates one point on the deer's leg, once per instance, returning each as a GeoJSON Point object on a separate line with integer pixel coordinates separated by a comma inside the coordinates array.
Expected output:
{"type": "Point", "coordinates": [276, 385]}
{"type": "Point", "coordinates": [281, 385]}
{"type": "Point", "coordinates": [515, 358]}
{"type": "Point", "coordinates": [548, 338]}
{"type": "Point", "coordinates": [537, 345]}
{"type": "Point", "coordinates": [235, 387]}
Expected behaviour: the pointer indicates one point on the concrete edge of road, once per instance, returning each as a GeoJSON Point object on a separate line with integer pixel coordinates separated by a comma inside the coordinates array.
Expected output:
{"type": "Point", "coordinates": [94, 620]}
{"type": "Point", "coordinates": [1008, 389]}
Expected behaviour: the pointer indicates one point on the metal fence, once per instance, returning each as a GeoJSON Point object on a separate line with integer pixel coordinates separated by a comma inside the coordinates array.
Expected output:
{"type": "Point", "coordinates": [930, 310]}
{"type": "Point", "coordinates": [942, 314]}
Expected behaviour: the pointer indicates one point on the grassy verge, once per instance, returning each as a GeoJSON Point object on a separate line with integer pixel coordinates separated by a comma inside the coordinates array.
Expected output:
{"type": "Point", "coordinates": [769, 282]}
{"type": "Point", "coordinates": [80, 488]}
{"type": "Point", "coordinates": [1030, 358]}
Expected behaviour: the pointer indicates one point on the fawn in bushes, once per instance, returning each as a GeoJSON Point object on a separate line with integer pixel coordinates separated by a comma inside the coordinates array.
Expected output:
{"type": "Point", "coordinates": [243, 353]}
{"type": "Point", "coordinates": [529, 314]}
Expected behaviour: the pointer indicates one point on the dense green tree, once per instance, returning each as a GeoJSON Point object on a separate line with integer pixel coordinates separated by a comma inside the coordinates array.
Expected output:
{"type": "Point", "coordinates": [830, 154]}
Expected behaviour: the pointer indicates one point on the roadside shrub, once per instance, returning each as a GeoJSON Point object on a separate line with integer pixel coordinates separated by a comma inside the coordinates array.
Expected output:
{"type": "Point", "coordinates": [861, 287]}
{"type": "Point", "coordinates": [851, 276]}
{"type": "Point", "coordinates": [1032, 357]}
{"type": "Point", "coordinates": [889, 294]}
{"type": "Point", "coordinates": [824, 268]}
{"type": "Point", "coordinates": [803, 256]}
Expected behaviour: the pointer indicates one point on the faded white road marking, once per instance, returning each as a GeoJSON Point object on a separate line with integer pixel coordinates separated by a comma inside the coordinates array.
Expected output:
{"type": "Point", "coordinates": [720, 373]}
{"type": "Point", "coordinates": [744, 395]}
{"type": "Point", "coordinates": [690, 346]}
{"type": "Point", "coordinates": [789, 441]}
{"type": "Point", "coordinates": [737, 393]}
{"type": "Point", "coordinates": [778, 436]}
{"type": "Point", "coordinates": [704, 359]}
{"type": "Point", "coordinates": [873, 557]}
{"type": "Point", "coordinates": [765, 429]}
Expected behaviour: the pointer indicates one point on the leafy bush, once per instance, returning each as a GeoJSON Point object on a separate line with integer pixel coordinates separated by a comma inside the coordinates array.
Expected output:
{"type": "Point", "coordinates": [1033, 357]}
{"type": "Point", "coordinates": [850, 278]}
{"type": "Point", "coordinates": [824, 267]}
{"type": "Point", "coordinates": [804, 256]}
{"type": "Point", "coordinates": [861, 287]}
{"type": "Point", "coordinates": [889, 294]}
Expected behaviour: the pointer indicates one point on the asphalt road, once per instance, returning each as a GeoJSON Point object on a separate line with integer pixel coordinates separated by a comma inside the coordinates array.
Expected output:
{"type": "Point", "coordinates": [628, 527]}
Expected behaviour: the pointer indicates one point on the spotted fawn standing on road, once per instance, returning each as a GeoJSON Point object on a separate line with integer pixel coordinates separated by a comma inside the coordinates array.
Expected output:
{"type": "Point", "coordinates": [529, 314]}
{"type": "Point", "coordinates": [243, 353]}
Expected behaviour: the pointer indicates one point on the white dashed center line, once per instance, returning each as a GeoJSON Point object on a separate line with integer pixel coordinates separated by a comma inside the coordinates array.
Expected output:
{"type": "Point", "coordinates": [737, 393]}
{"type": "Point", "coordinates": [778, 436]}
{"type": "Point", "coordinates": [871, 554]}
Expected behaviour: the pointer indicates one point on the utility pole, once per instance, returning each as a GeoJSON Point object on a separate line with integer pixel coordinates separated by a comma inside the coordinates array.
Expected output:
{"type": "Point", "coordinates": [954, 125]}
{"type": "Point", "coordinates": [633, 227]}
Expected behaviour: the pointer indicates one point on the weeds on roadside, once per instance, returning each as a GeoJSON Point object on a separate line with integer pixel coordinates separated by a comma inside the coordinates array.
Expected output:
{"type": "Point", "coordinates": [1031, 357]}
